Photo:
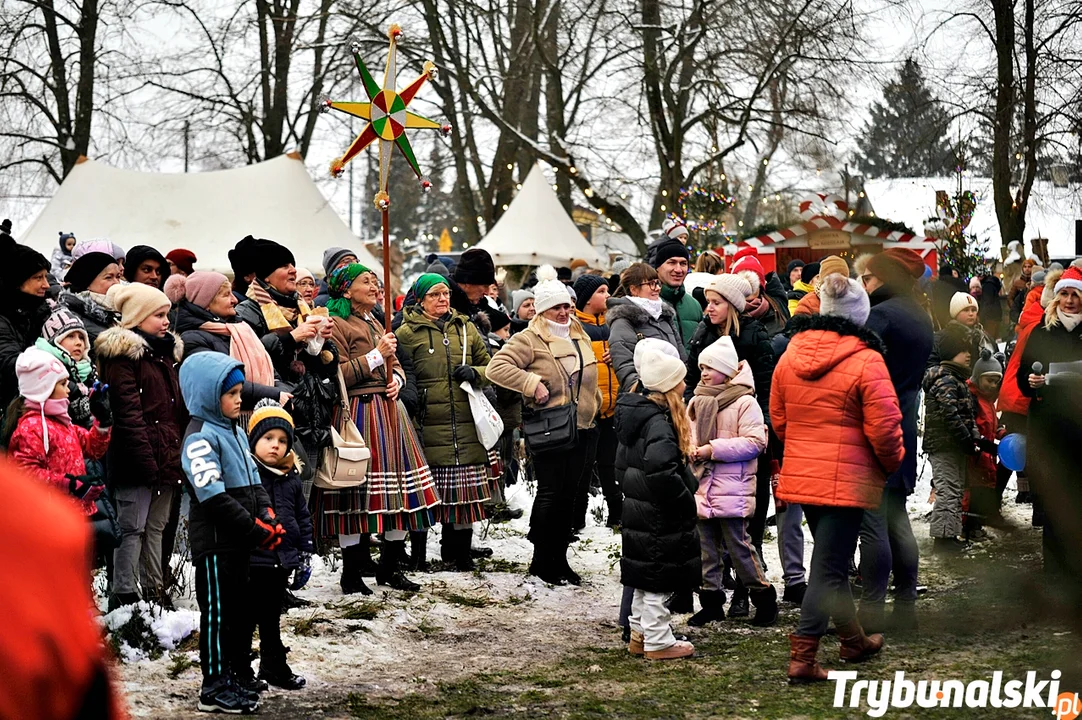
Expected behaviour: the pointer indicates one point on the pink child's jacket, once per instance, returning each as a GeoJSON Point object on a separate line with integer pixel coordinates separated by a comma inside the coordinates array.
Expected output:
{"type": "Point", "coordinates": [727, 487]}
{"type": "Point", "coordinates": [67, 445]}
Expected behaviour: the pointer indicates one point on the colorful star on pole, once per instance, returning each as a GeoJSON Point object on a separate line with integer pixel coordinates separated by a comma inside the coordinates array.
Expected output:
{"type": "Point", "coordinates": [387, 117]}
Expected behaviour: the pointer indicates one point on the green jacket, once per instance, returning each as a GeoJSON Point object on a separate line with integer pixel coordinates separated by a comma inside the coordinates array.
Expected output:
{"type": "Point", "coordinates": [446, 422]}
{"type": "Point", "coordinates": [688, 311]}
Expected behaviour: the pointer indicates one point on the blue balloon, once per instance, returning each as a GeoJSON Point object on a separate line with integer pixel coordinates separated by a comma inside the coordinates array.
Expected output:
{"type": "Point", "coordinates": [1012, 452]}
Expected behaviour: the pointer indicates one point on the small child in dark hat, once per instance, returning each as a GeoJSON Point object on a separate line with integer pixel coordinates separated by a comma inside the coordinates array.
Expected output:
{"type": "Point", "coordinates": [981, 504]}
{"type": "Point", "coordinates": [270, 437]}
{"type": "Point", "coordinates": [951, 436]}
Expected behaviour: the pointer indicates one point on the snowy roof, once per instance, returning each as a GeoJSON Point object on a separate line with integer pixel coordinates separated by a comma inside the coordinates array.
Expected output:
{"type": "Point", "coordinates": [536, 230]}
{"type": "Point", "coordinates": [206, 213]}
{"type": "Point", "coordinates": [1051, 213]}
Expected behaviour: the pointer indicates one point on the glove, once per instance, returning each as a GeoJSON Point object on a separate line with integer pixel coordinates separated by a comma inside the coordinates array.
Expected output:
{"type": "Point", "coordinates": [988, 446]}
{"type": "Point", "coordinates": [267, 531]}
{"type": "Point", "coordinates": [302, 573]}
{"type": "Point", "coordinates": [465, 373]}
{"type": "Point", "coordinates": [99, 405]}
{"type": "Point", "coordinates": [85, 487]}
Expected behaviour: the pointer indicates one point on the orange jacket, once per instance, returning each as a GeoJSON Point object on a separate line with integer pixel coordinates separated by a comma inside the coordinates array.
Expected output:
{"type": "Point", "coordinates": [808, 305]}
{"type": "Point", "coordinates": [52, 659]}
{"type": "Point", "coordinates": [834, 407]}
{"type": "Point", "coordinates": [1011, 398]}
{"type": "Point", "coordinates": [595, 327]}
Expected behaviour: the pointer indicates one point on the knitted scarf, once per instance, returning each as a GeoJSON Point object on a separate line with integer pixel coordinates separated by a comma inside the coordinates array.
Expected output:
{"type": "Point", "coordinates": [707, 402]}
{"type": "Point", "coordinates": [756, 307]}
{"type": "Point", "coordinates": [82, 368]}
{"type": "Point", "coordinates": [280, 311]}
{"type": "Point", "coordinates": [245, 347]}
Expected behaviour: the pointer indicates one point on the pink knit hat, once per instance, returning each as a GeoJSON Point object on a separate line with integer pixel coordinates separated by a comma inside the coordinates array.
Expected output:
{"type": "Point", "coordinates": [199, 288]}
{"type": "Point", "coordinates": [38, 373]}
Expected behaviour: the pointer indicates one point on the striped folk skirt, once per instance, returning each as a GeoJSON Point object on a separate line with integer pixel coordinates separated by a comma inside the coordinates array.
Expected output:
{"type": "Point", "coordinates": [464, 490]}
{"type": "Point", "coordinates": [399, 493]}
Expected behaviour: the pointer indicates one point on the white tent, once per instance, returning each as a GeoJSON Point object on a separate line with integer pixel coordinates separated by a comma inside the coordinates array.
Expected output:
{"type": "Point", "coordinates": [206, 213]}
{"type": "Point", "coordinates": [537, 230]}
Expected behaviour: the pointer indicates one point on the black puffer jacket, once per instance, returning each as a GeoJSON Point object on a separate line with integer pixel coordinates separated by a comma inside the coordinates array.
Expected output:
{"type": "Point", "coordinates": [190, 318]}
{"type": "Point", "coordinates": [628, 323]}
{"type": "Point", "coordinates": [950, 418]}
{"type": "Point", "coordinates": [660, 544]}
{"type": "Point", "coordinates": [287, 498]}
{"type": "Point", "coordinates": [752, 344]}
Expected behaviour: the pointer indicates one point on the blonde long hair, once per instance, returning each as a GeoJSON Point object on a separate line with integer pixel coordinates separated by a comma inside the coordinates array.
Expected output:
{"type": "Point", "coordinates": [673, 401]}
{"type": "Point", "coordinates": [1051, 316]}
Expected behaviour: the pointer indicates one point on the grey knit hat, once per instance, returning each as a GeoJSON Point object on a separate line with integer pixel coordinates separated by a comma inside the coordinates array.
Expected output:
{"type": "Point", "coordinates": [332, 256]}
{"type": "Point", "coordinates": [518, 297]}
{"type": "Point", "coordinates": [987, 364]}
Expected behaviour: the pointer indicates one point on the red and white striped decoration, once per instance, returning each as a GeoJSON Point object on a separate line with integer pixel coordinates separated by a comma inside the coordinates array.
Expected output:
{"type": "Point", "coordinates": [823, 205]}
{"type": "Point", "coordinates": [829, 223]}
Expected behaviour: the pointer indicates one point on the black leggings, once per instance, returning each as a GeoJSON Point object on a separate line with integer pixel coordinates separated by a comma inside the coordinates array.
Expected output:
{"type": "Point", "coordinates": [560, 474]}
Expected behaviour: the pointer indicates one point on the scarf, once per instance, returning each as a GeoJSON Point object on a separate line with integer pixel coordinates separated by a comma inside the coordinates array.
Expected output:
{"type": "Point", "coordinates": [280, 311]}
{"type": "Point", "coordinates": [756, 307]}
{"type": "Point", "coordinates": [652, 307]}
{"type": "Point", "coordinates": [706, 403]}
{"type": "Point", "coordinates": [337, 284]}
{"type": "Point", "coordinates": [1069, 320]}
{"type": "Point", "coordinates": [96, 307]}
{"type": "Point", "coordinates": [56, 408]}
{"type": "Point", "coordinates": [245, 347]}
{"type": "Point", "coordinates": [81, 368]}
{"type": "Point", "coordinates": [559, 330]}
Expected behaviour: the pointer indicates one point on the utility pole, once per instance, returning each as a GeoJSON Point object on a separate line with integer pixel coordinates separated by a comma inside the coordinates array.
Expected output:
{"type": "Point", "coordinates": [187, 132]}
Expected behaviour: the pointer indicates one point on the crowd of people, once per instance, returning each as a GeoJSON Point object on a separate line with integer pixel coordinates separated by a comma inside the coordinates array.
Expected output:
{"type": "Point", "coordinates": [130, 378]}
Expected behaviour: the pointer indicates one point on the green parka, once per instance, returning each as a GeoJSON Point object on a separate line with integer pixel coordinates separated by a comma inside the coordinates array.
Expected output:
{"type": "Point", "coordinates": [446, 422]}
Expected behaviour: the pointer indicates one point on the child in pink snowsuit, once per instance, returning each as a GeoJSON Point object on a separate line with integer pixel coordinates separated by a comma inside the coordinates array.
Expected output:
{"type": "Point", "coordinates": [45, 442]}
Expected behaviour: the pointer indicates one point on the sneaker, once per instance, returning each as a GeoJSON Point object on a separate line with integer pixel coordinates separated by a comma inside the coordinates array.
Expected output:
{"type": "Point", "coordinates": [249, 684]}
{"type": "Point", "coordinates": [221, 695]}
{"type": "Point", "coordinates": [679, 649]}
{"type": "Point", "coordinates": [282, 677]}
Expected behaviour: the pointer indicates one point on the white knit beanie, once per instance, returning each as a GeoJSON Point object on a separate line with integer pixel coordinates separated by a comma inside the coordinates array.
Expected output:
{"type": "Point", "coordinates": [659, 371]}
{"type": "Point", "coordinates": [960, 301]}
{"type": "Point", "coordinates": [549, 292]}
{"type": "Point", "coordinates": [655, 345]}
{"type": "Point", "coordinates": [733, 288]}
{"type": "Point", "coordinates": [136, 302]}
{"type": "Point", "coordinates": [842, 297]}
{"type": "Point", "coordinates": [721, 356]}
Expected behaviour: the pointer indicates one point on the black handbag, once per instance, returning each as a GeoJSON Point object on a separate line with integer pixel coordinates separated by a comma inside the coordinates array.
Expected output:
{"type": "Point", "coordinates": [554, 428]}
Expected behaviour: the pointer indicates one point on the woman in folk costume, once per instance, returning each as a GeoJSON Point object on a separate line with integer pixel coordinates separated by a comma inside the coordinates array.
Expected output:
{"type": "Point", "coordinates": [400, 494]}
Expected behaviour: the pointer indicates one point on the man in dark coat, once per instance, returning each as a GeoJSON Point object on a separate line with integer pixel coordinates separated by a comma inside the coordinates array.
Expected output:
{"type": "Point", "coordinates": [886, 538]}
{"type": "Point", "coordinates": [991, 305]}
{"type": "Point", "coordinates": [23, 309]}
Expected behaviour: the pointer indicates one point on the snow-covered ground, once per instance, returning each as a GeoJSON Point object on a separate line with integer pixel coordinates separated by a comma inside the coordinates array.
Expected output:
{"type": "Point", "coordinates": [459, 624]}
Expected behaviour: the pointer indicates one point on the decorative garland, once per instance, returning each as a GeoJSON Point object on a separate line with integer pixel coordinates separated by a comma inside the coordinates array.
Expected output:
{"type": "Point", "coordinates": [701, 208]}
{"type": "Point", "coordinates": [882, 224]}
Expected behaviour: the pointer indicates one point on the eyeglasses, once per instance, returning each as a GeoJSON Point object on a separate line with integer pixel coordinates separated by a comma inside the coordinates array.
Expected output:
{"type": "Point", "coordinates": [306, 283]}
{"type": "Point", "coordinates": [655, 284]}
{"type": "Point", "coordinates": [439, 295]}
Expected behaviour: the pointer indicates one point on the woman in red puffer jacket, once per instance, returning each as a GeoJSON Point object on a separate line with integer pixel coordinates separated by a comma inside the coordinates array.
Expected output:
{"type": "Point", "coordinates": [834, 408]}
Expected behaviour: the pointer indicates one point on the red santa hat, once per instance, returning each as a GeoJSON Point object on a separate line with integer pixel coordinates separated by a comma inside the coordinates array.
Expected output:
{"type": "Point", "coordinates": [1071, 278]}
{"type": "Point", "coordinates": [750, 265]}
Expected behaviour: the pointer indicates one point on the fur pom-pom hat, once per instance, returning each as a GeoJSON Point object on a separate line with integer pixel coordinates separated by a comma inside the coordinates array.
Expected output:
{"type": "Point", "coordinates": [549, 291]}
{"type": "Point", "coordinates": [843, 297]}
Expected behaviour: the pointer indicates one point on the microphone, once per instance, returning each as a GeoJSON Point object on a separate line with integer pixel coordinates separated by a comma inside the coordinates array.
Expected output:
{"type": "Point", "coordinates": [1037, 368]}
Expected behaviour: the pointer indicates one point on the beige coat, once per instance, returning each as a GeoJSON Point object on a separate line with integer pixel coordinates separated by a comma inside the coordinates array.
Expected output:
{"type": "Point", "coordinates": [534, 355]}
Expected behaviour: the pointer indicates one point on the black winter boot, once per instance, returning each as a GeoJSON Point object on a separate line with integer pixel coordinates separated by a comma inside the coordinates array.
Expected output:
{"type": "Point", "coordinates": [389, 573]}
{"type": "Point", "coordinates": [681, 602]}
{"type": "Point", "coordinates": [544, 565]}
{"type": "Point", "coordinates": [367, 566]}
{"type": "Point", "coordinates": [739, 606]}
{"type": "Point", "coordinates": [463, 552]}
{"type": "Point", "coordinates": [559, 561]}
{"type": "Point", "coordinates": [795, 593]}
{"type": "Point", "coordinates": [766, 606]}
{"type": "Point", "coordinates": [713, 602]}
{"type": "Point", "coordinates": [418, 551]}
{"type": "Point", "coordinates": [352, 581]}
{"type": "Point", "coordinates": [447, 543]}
{"type": "Point", "coordinates": [278, 673]}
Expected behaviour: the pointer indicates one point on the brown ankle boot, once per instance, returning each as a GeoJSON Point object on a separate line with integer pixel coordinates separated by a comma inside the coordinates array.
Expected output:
{"type": "Point", "coordinates": [856, 646]}
{"type": "Point", "coordinates": [635, 647]}
{"type": "Point", "coordinates": [803, 667]}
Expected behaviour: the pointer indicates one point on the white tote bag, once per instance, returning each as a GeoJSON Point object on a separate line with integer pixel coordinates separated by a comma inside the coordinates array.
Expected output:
{"type": "Point", "coordinates": [485, 418]}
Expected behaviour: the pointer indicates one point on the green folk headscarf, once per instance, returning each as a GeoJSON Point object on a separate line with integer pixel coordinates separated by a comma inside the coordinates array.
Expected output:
{"type": "Point", "coordinates": [337, 284]}
{"type": "Point", "coordinates": [426, 282]}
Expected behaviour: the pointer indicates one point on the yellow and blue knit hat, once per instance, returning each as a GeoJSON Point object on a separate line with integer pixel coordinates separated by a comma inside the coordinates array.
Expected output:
{"type": "Point", "coordinates": [269, 415]}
